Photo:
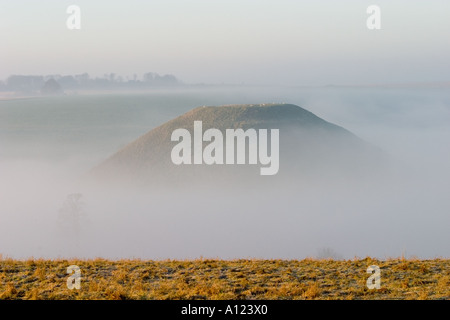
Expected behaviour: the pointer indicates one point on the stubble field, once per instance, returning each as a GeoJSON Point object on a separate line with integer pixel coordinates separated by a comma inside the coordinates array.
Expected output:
{"type": "Point", "coordinates": [408, 279]}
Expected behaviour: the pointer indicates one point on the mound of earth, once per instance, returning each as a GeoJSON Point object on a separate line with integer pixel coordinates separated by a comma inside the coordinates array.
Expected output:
{"type": "Point", "coordinates": [308, 147]}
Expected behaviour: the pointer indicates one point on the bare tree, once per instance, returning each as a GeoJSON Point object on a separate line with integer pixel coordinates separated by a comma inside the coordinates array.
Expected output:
{"type": "Point", "coordinates": [72, 215]}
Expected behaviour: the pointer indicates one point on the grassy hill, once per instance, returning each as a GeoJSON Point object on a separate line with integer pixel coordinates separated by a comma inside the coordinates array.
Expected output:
{"type": "Point", "coordinates": [308, 144]}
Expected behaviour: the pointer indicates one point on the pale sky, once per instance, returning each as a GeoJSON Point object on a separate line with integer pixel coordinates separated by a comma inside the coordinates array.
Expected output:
{"type": "Point", "coordinates": [288, 42]}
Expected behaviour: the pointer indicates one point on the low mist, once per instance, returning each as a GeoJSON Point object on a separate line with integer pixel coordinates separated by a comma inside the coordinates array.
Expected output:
{"type": "Point", "coordinates": [48, 210]}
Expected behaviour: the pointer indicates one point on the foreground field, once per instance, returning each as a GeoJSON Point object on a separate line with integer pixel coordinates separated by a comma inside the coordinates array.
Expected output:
{"type": "Point", "coordinates": [221, 279]}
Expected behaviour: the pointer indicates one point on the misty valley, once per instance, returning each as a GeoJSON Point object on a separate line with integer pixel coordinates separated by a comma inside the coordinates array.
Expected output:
{"type": "Point", "coordinates": [93, 174]}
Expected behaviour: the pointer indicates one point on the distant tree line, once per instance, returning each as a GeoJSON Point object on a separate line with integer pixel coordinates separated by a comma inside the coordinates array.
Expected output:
{"type": "Point", "coordinates": [30, 84]}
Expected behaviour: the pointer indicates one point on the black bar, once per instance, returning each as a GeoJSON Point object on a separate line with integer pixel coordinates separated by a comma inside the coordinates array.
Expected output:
{"type": "Point", "coordinates": [273, 309]}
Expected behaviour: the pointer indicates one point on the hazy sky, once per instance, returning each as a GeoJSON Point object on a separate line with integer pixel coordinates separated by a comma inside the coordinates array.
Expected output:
{"type": "Point", "coordinates": [252, 42]}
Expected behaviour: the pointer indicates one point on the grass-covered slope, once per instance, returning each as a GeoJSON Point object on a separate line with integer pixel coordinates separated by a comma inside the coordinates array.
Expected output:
{"type": "Point", "coordinates": [305, 141]}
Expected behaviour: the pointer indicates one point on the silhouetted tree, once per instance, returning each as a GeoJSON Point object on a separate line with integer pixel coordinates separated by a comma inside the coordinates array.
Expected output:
{"type": "Point", "coordinates": [51, 87]}
{"type": "Point", "coordinates": [68, 82]}
{"type": "Point", "coordinates": [72, 214]}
